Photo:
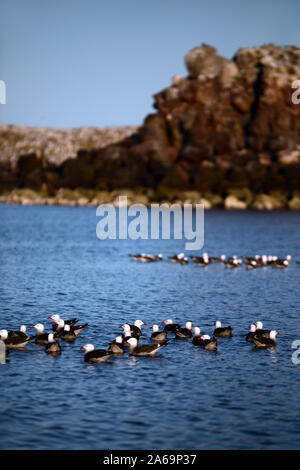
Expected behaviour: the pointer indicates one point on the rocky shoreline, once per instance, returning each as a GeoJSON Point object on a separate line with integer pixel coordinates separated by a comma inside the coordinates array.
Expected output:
{"type": "Point", "coordinates": [241, 199]}
{"type": "Point", "coordinates": [227, 135]}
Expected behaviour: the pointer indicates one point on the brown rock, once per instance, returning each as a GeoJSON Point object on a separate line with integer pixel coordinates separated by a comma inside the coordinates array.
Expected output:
{"type": "Point", "coordinates": [230, 124]}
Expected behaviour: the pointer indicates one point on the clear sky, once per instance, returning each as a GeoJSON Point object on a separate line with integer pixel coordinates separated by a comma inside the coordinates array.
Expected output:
{"type": "Point", "coordinates": [71, 63]}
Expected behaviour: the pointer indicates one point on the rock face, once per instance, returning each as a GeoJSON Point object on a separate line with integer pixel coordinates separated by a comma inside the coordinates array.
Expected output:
{"type": "Point", "coordinates": [229, 125]}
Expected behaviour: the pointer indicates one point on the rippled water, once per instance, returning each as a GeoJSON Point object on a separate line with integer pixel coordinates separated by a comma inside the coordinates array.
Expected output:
{"type": "Point", "coordinates": [185, 398]}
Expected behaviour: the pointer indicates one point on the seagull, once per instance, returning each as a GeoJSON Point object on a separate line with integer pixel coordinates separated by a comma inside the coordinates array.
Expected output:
{"type": "Point", "coordinates": [263, 342]}
{"type": "Point", "coordinates": [225, 332]}
{"type": "Point", "coordinates": [93, 355]}
{"type": "Point", "coordinates": [14, 341]}
{"type": "Point", "coordinates": [144, 350]}
{"type": "Point", "coordinates": [116, 346]}
{"type": "Point", "coordinates": [53, 346]}
{"type": "Point", "coordinates": [158, 336]}
{"type": "Point", "coordinates": [186, 332]}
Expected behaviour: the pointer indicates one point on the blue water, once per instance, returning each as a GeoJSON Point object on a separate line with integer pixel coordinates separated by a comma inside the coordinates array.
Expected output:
{"type": "Point", "coordinates": [186, 398]}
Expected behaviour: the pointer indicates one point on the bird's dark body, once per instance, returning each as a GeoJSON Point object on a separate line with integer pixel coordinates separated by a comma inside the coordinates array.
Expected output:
{"type": "Point", "coordinates": [135, 330]}
{"type": "Point", "coordinates": [171, 328]}
{"type": "Point", "coordinates": [43, 338]}
{"type": "Point", "coordinates": [183, 333]}
{"type": "Point", "coordinates": [145, 350]}
{"type": "Point", "coordinates": [263, 342]}
{"type": "Point", "coordinates": [68, 336]}
{"type": "Point", "coordinates": [209, 344]}
{"type": "Point", "coordinates": [250, 336]}
{"type": "Point", "coordinates": [97, 355]}
{"type": "Point", "coordinates": [223, 332]}
{"type": "Point", "coordinates": [264, 333]}
{"type": "Point", "coordinates": [159, 336]}
{"type": "Point", "coordinates": [53, 348]}
{"type": "Point", "coordinates": [15, 342]}
{"type": "Point", "coordinates": [116, 348]}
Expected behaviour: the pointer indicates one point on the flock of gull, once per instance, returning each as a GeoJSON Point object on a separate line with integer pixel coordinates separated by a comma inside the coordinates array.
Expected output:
{"type": "Point", "coordinates": [252, 262]}
{"type": "Point", "coordinates": [67, 330]}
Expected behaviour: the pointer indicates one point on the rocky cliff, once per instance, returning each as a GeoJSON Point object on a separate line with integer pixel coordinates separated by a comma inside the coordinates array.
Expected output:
{"type": "Point", "coordinates": [227, 132]}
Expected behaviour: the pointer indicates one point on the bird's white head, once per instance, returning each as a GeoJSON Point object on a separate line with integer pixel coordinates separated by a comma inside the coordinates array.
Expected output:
{"type": "Point", "coordinates": [139, 323]}
{"type": "Point", "coordinates": [273, 334]}
{"type": "Point", "coordinates": [23, 328]}
{"type": "Point", "coordinates": [3, 334]}
{"type": "Point", "coordinates": [50, 338]}
{"type": "Point", "coordinates": [259, 325]}
{"type": "Point", "coordinates": [54, 317]}
{"type": "Point", "coordinates": [188, 325]}
{"type": "Point", "coordinates": [196, 331]}
{"type": "Point", "coordinates": [218, 324]}
{"type": "Point", "coordinates": [39, 327]}
{"type": "Point", "coordinates": [126, 328]}
{"type": "Point", "coordinates": [132, 342]}
{"type": "Point", "coordinates": [155, 328]}
{"type": "Point", "coordinates": [252, 328]}
{"type": "Point", "coordinates": [88, 347]}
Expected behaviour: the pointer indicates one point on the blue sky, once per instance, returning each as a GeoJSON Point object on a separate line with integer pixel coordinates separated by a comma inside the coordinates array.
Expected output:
{"type": "Point", "coordinates": [70, 63]}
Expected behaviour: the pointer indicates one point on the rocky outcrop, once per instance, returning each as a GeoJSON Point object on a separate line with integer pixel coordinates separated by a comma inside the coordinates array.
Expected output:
{"type": "Point", "coordinates": [228, 129]}
{"type": "Point", "coordinates": [34, 157]}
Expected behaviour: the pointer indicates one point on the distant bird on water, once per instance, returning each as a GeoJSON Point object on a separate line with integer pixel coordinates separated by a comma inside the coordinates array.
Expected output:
{"type": "Point", "coordinates": [206, 342]}
{"type": "Point", "coordinates": [144, 258]}
{"type": "Point", "coordinates": [93, 355]}
{"type": "Point", "coordinates": [222, 332]}
{"type": "Point", "coordinates": [56, 319]}
{"type": "Point", "coordinates": [196, 338]}
{"type": "Point", "coordinates": [180, 258]}
{"type": "Point", "coordinates": [263, 342]}
{"type": "Point", "coordinates": [158, 336]}
{"type": "Point", "coordinates": [143, 350]}
{"type": "Point", "coordinates": [117, 346]}
{"type": "Point", "coordinates": [14, 341]}
{"type": "Point", "coordinates": [53, 346]}
{"type": "Point", "coordinates": [186, 332]}
{"type": "Point", "coordinates": [170, 326]}
{"type": "Point", "coordinates": [260, 331]}
{"type": "Point", "coordinates": [251, 333]}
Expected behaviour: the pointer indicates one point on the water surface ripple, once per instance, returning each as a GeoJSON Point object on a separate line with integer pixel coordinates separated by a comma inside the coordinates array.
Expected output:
{"type": "Point", "coordinates": [186, 398]}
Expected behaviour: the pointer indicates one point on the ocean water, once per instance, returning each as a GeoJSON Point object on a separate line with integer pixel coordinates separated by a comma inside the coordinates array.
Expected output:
{"type": "Point", "coordinates": [185, 398]}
